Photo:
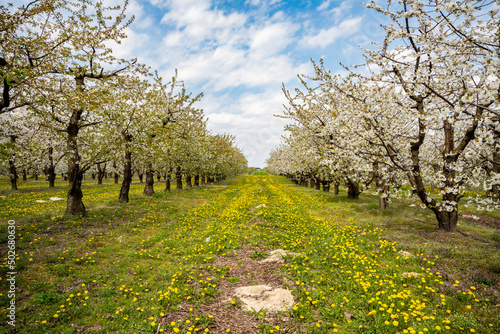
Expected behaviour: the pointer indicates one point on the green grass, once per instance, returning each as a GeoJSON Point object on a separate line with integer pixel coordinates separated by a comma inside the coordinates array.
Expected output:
{"type": "Point", "coordinates": [127, 268]}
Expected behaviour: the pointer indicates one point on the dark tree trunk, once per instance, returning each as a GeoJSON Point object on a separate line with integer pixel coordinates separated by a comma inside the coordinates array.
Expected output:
{"type": "Point", "coordinates": [312, 183]}
{"type": "Point", "coordinates": [127, 175]}
{"type": "Point", "coordinates": [196, 180]}
{"type": "Point", "coordinates": [116, 175]}
{"type": "Point", "coordinates": [203, 180]}
{"type": "Point", "coordinates": [188, 181]}
{"type": "Point", "coordinates": [101, 172]}
{"type": "Point", "coordinates": [141, 176]}
{"type": "Point", "coordinates": [158, 177]}
{"type": "Point", "coordinates": [75, 174]}
{"type": "Point", "coordinates": [13, 174]}
{"type": "Point", "coordinates": [178, 177]}
{"type": "Point", "coordinates": [35, 175]}
{"type": "Point", "coordinates": [352, 189]}
{"type": "Point", "coordinates": [210, 180]}
{"type": "Point", "coordinates": [167, 182]}
{"type": "Point", "coordinates": [25, 175]}
{"type": "Point", "coordinates": [150, 180]}
{"type": "Point", "coordinates": [12, 166]}
{"type": "Point", "coordinates": [336, 188]}
{"type": "Point", "coordinates": [326, 186]}
{"type": "Point", "coordinates": [447, 220]}
{"type": "Point", "coordinates": [318, 184]}
{"type": "Point", "coordinates": [93, 176]}
{"type": "Point", "coordinates": [51, 174]}
{"type": "Point", "coordinates": [50, 169]}
{"type": "Point", "coordinates": [164, 176]}
{"type": "Point", "coordinates": [65, 177]}
{"type": "Point", "coordinates": [495, 189]}
{"type": "Point", "coordinates": [75, 204]}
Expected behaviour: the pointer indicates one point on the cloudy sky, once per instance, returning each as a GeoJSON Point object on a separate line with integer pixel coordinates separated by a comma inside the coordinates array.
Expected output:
{"type": "Point", "coordinates": [238, 53]}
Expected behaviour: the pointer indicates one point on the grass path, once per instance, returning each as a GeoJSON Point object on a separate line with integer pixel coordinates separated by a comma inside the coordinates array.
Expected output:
{"type": "Point", "coordinates": [170, 264]}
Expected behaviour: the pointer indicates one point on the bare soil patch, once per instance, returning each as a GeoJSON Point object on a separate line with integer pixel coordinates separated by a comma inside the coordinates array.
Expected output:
{"type": "Point", "coordinates": [245, 272]}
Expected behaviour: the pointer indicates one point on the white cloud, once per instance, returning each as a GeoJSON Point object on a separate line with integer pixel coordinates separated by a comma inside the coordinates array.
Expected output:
{"type": "Point", "coordinates": [272, 38]}
{"type": "Point", "coordinates": [258, 3]}
{"type": "Point", "coordinates": [326, 37]}
{"type": "Point", "coordinates": [337, 11]}
{"type": "Point", "coordinates": [324, 5]}
{"type": "Point", "coordinates": [257, 130]}
{"type": "Point", "coordinates": [196, 22]}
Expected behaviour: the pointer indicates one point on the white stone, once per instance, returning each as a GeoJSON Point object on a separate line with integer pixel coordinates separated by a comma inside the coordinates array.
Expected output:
{"type": "Point", "coordinates": [411, 274]}
{"type": "Point", "coordinates": [40, 201]}
{"type": "Point", "coordinates": [258, 297]}
{"type": "Point", "coordinates": [56, 199]}
{"type": "Point", "coordinates": [277, 256]}
{"type": "Point", "coordinates": [405, 253]}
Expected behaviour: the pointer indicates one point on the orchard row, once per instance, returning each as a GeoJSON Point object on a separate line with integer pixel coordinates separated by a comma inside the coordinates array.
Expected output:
{"type": "Point", "coordinates": [419, 118]}
{"type": "Point", "coordinates": [70, 106]}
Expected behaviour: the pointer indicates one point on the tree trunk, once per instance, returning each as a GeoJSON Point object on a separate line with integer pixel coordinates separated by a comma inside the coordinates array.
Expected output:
{"type": "Point", "coordinates": [197, 180]}
{"type": "Point", "coordinates": [35, 175]}
{"type": "Point", "coordinates": [127, 176]}
{"type": "Point", "coordinates": [141, 176]}
{"type": "Point", "coordinates": [203, 180]}
{"type": "Point", "coordinates": [25, 176]}
{"type": "Point", "coordinates": [167, 181]}
{"type": "Point", "coordinates": [51, 173]}
{"type": "Point", "coordinates": [326, 186]}
{"type": "Point", "coordinates": [336, 187]}
{"type": "Point", "coordinates": [312, 183]}
{"type": "Point", "coordinates": [318, 184]}
{"type": "Point", "coordinates": [116, 175]}
{"type": "Point", "coordinates": [13, 174]}
{"type": "Point", "coordinates": [178, 177]}
{"type": "Point", "coordinates": [352, 189]}
{"type": "Point", "coordinates": [210, 180]}
{"type": "Point", "coordinates": [382, 188]}
{"type": "Point", "coordinates": [75, 204]}
{"type": "Point", "coordinates": [495, 189]}
{"type": "Point", "coordinates": [383, 203]}
{"type": "Point", "coordinates": [75, 174]}
{"type": "Point", "coordinates": [93, 176]}
{"type": "Point", "coordinates": [101, 172]}
{"type": "Point", "coordinates": [150, 180]}
{"type": "Point", "coordinates": [447, 220]}
{"type": "Point", "coordinates": [158, 176]}
{"type": "Point", "coordinates": [12, 165]}
{"type": "Point", "coordinates": [188, 181]}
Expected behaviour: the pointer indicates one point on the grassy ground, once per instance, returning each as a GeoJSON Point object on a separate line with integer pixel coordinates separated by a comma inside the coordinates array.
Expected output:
{"type": "Point", "coordinates": [169, 263]}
